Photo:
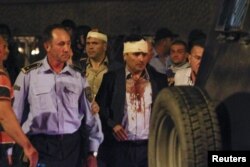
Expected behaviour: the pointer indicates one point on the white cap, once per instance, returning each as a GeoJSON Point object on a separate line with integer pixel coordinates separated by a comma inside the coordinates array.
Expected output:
{"type": "Point", "coordinates": [137, 46]}
{"type": "Point", "coordinates": [97, 35]}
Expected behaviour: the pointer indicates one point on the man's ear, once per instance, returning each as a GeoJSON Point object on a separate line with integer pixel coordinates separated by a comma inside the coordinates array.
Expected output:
{"type": "Point", "coordinates": [47, 46]}
{"type": "Point", "coordinates": [125, 57]}
{"type": "Point", "coordinates": [105, 46]}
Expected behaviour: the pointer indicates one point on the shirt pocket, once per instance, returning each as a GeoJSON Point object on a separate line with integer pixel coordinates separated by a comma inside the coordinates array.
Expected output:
{"type": "Point", "coordinates": [72, 96]}
{"type": "Point", "coordinates": [42, 97]}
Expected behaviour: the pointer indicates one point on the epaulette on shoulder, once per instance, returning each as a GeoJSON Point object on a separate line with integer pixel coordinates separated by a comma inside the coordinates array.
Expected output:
{"type": "Point", "coordinates": [30, 67]}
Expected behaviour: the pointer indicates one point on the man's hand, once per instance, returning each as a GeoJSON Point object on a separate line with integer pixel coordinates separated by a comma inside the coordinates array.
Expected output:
{"type": "Point", "coordinates": [32, 155]}
{"type": "Point", "coordinates": [120, 133]}
{"type": "Point", "coordinates": [94, 107]}
{"type": "Point", "coordinates": [91, 161]}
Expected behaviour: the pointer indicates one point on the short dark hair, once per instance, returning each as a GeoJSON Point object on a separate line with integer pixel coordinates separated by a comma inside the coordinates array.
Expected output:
{"type": "Point", "coordinates": [164, 33]}
{"type": "Point", "coordinates": [196, 43]}
{"type": "Point", "coordinates": [133, 38]}
{"type": "Point", "coordinates": [47, 33]}
{"type": "Point", "coordinates": [180, 42]}
{"type": "Point", "coordinates": [5, 31]}
{"type": "Point", "coordinates": [3, 38]}
{"type": "Point", "coordinates": [82, 30]}
{"type": "Point", "coordinates": [196, 35]}
{"type": "Point", "coordinates": [69, 23]}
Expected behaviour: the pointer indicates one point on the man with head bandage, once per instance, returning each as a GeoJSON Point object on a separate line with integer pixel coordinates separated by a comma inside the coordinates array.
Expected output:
{"type": "Point", "coordinates": [94, 66]}
{"type": "Point", "coordinates": [97, 62]}
{"type": "Point", "coordinates": [125, 114]}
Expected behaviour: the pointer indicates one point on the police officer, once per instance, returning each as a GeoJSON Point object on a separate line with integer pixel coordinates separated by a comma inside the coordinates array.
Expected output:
{"type": "Point", "coordinates": [56, 95]}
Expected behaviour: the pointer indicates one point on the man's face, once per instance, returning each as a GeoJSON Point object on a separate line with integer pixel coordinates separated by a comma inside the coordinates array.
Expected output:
{"type": "Point", "coordinates": [95, 48]}
{"type": "Point", "coordinates": [4, 51]}
{"type": "Point", "coordinates": [178, 54]}
{"type": "Point", "coordinates": [195, 58]}
{"type": "Point", "coordinates": [58, 48]}
{"type": "Point", "coordinates": [136, 62]}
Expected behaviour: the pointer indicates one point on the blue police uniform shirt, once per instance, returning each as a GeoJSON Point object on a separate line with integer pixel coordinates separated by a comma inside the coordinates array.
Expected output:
{"type": "Point", "coordinates": [57, 103]}
{"type": "Point", "coordinates": [158, 64]}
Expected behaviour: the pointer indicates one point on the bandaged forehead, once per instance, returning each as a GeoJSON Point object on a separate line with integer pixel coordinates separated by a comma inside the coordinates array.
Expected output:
{"type": "Point", "coordinates": [137, 46]}
{"type": "Point", "coordinates": [97, 35]}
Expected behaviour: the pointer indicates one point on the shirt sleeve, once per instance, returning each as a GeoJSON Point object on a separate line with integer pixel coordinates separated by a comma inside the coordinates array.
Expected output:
{"type": "Point", "coordinates": [20, 92]}
{"type": "Point", "coordinates": [5, 88]}
{"type": "Point", "coordinates": [93, 122]}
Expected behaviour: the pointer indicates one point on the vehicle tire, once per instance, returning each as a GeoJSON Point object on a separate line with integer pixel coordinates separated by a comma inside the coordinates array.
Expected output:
{"type": "Point", "coordinates": [184, 127]}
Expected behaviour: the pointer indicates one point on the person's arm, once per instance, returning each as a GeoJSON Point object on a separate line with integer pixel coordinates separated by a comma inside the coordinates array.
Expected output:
{"type": "Point", "coordinates": [20, 94]}
{"type": "Point", "coordinates": [13, 129]}
{"type": "Point", "coordinates": [93, 126]}
{"type": "Point", "coordinates": [10, 124]}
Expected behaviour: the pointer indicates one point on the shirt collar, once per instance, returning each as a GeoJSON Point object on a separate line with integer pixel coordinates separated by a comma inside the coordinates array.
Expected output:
{"type": "Point", "coordinates": [47, 68]}
{"type": "Point", "coordinates": [144, 74]}
{"type": "Point", "coordinates": [105, 61]}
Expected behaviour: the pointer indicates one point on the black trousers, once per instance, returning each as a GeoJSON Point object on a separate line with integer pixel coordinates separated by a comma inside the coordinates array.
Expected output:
{"type": "Point", "coordinates": [58, 150]}
{"type": "Point", "coordinates": [124, 154]}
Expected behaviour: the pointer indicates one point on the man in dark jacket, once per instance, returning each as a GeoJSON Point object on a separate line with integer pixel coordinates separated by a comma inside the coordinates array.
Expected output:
{"type": "Point", "coordinates": [125, 99]}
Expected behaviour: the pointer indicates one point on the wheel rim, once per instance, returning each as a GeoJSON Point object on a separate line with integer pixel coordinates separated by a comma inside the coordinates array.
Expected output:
{"type": "Point", "coordinates": [168, 148]}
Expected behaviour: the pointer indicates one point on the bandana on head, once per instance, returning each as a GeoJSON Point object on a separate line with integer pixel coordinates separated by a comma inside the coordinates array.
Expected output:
{"type": "Point", "coordinates": [98, 35]}
{"type": "Point", "coordinates": [137, 46]}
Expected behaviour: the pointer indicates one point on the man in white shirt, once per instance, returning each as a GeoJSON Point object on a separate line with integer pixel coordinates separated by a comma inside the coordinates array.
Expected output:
{"type": "Point", "coordinates": [178, 57]}
{"type": "Point", "coordinates": [125, 98]}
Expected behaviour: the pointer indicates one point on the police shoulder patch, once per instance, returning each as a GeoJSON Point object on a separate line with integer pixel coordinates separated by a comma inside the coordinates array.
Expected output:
{"type": "Point", "coordinates": [30, 67]}
{"type": "Point", "coordinates": [89, 94]}
{"type": "Point", "coordinates": [16, 87]}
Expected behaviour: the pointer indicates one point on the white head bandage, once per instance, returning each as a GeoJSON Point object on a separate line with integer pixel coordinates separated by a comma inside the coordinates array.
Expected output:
{"type": "Point", "coordinates": [97, 35]}
{"type": "Point", "coordinates": [137, 46]}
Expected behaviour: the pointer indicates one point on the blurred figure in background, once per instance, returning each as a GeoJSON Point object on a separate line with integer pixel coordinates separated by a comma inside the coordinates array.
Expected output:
{"type": "Point", "coordinates": [187, 76]}
{"type": "Point", "coordinates": [15, 60]}
{"type": "Point", "coordinates": [178, 57]}
{"type": "Point", "coordinates": [196, 35]}
{"type": "Point", "coordinates": [162, 41]}
{"type": "Point", "coordinates": [150, 43]}
{"type": "Point", "coordinates": [8, 120]}
{"type": "Point", "coordinates": [79, 49]}
{"type": "Point", "coordinates": [116, 49]}
{"type": "Point", "coordinates": [70, 26]}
